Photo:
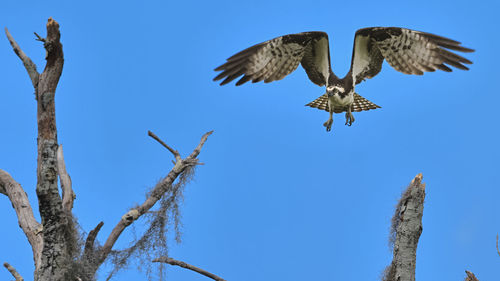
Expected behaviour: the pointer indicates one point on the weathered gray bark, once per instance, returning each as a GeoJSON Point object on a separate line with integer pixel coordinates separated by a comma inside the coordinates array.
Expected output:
{"type": "Point", "coordinates": [27, 222]}
{"type": "Point", "coordinates": [54, 240]}
{"type": "Point", "coordinates": [58, 237]}
{"type": "Point", "coordinates": [405, 232]}
{"type": "Point", "coordinates": [406, 228]}
{"type": "Point", "coordinates": [56, 253]}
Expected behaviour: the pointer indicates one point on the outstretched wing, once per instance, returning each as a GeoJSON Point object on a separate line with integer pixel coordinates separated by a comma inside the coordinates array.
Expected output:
{"type": "Point", "coordinates": [408, 51]}
{"type": "Point", "coordinates": [274, 59]}
{"type": "Point", "coordinates": [359, 104]}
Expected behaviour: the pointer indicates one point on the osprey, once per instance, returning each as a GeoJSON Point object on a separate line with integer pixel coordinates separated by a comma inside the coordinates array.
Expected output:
{"type": "Point", "coordinates": [408, 51]}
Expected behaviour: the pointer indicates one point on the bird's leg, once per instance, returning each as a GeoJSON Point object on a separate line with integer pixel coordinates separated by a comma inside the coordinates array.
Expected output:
{"type": "Point", "coordinates": [349, 118]}
{"type": "Point", "coordinates": [329, 122]}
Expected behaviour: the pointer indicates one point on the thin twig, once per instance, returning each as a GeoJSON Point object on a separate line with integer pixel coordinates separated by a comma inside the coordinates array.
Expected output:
{"type": "Point", "coordinates": [13, 271]}
{"type": "Point", "coordinates": [68, 196]}
{"type": "Point", "coordinates": [173, 151]}
{"type": "Point", "coordinates": [28, 63]}
{"type": "Point", "coordinates": [39, 38]}
{"type": "Point", "coordinates": [171, 261]}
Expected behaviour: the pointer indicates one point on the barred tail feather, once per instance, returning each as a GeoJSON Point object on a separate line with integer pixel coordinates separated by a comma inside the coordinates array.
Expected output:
{"type": "Point", "coordinates": [359, 104]}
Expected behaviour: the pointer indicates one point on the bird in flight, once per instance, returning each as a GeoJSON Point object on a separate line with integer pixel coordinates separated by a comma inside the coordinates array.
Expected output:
{"type": "Point", "coordinates": [408, 51]}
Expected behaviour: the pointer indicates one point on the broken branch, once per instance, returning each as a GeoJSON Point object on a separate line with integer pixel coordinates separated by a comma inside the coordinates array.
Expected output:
{"type": "Point", "coordinates": [13, 271]}
{"type": "Point", "coordinates": [470, 276]}
{"type": "Point", "coordinates": [39, 38]}
{"type": "Point", "coordinates": [188, 266]}
{"type": "Point", "coordinates": [89, 243]}
{"type": "Point", "coordinates": [406, 228]}
{"type": "Point", "coordinates": [173, 151]}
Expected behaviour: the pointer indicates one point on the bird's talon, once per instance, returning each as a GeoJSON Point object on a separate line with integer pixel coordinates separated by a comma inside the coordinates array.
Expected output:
{"type": "Point", "coordinates": [349, 119]}
{"type": "Point", "coordinates": [328, 125]}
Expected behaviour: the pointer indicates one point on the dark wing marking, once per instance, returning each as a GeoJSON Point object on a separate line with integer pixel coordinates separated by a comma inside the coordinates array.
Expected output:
{"type": "Point", "coordinates": [408, 51]}
{"type": "Point", "coordinates": [274, 59]}
{"type": "Point", "coordinates": [316, 60]}
{"type": "Point", "coordinates": [359, 104]}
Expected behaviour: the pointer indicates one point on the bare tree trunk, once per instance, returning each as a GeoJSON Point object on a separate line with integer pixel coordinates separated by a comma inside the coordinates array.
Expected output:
{"type": "Point", "coordinates": [57, 235]}
{"type": "Point", "coordinates": [406, 229]}
{"type": "Point", "coordinates": [57, 230]}
{"type": "Point", "coordinates": [53, 241]}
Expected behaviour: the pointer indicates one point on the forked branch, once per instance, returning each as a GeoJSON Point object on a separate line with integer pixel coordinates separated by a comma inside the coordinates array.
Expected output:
{"type": "Point", "coordinates": [155, 195]}
{"type": "Point", "coordinates": [188, 266]}
{"type": "Point", "coordinates": [56, 223]}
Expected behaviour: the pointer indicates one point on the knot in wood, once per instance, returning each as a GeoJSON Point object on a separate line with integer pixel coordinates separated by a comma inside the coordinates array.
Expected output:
{"type": "Point", "coordinates": [131, 216]}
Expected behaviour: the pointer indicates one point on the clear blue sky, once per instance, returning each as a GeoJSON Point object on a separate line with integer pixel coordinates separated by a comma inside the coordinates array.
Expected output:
{"type": "Point", "coordinates": [278, 198]}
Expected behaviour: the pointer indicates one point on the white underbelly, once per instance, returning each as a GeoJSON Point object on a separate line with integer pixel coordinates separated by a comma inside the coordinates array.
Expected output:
{"type": "Point", "coordinates": [337, 101]}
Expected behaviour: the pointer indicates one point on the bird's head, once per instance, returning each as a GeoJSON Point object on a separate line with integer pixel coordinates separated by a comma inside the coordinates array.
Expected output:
{"type": "Point", "coordinates": [335, 89]}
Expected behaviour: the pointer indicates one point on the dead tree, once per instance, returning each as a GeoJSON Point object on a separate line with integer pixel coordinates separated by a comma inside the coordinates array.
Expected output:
{"type": "Point", "coordinates": [54, 241]}
{"type": "Point", "coordinates": [406, 228]}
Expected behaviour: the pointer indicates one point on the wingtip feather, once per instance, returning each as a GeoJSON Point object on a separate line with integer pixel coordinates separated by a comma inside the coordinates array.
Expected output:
{"type": "Point", "coordinates": [466, 50]}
